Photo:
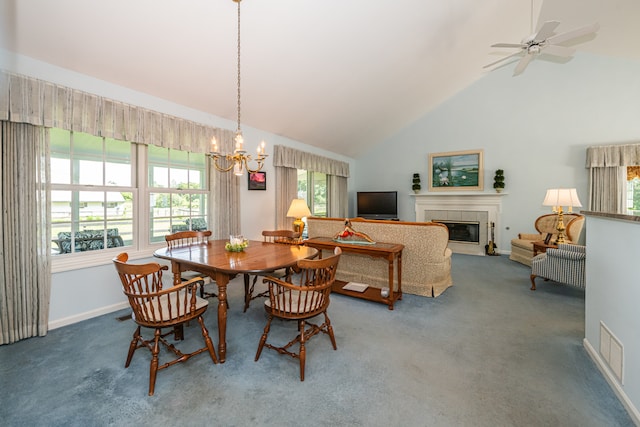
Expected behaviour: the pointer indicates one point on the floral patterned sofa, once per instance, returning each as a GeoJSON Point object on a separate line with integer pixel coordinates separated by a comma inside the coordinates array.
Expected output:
{"type": "Point", "coordinates": [88, 240]}
{"type": "Point", "coordinates": [426, 259]}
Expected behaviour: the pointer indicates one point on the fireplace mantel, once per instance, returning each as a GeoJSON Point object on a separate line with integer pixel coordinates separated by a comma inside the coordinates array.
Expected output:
{"type": "Point", "coordinates": [491, 203]}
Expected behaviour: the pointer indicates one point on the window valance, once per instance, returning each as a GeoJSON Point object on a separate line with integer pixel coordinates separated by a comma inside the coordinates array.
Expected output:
{"type": "Point", "coordinates": [291, 158]}
{"type": "Point", "coordinates": [613, 156]}
{"type": "Point", "coordinates": [27, 100]}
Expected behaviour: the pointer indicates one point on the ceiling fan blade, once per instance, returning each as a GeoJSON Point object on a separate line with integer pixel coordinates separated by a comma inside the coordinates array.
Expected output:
{"type": "Point", "coordinates": [522, 64]}
{"type": "Point", "coordinates": [578, 32]}
{"type": "Point", "coordinates": [502, 59]}
{"type": "Point", "coordinates": [520, 45]}
{"type": "Point", "coordinates": [558, 50]}
{"type": "Point", "coordinates": [546, 30]}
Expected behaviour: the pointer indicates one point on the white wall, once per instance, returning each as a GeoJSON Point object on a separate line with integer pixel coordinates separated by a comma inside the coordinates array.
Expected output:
{"type": "Point", "coordinates": [612, 296]}
{"type": "Point", "coordinates": [80, 294]}
{"type": "Point", "coordinates": [535, 126]}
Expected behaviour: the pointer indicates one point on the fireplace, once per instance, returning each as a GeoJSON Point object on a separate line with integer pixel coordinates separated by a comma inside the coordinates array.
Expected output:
{"type": "Point", "coordinates": [462, 231]}
{"type": "Point", "coordinates": [467, 216]}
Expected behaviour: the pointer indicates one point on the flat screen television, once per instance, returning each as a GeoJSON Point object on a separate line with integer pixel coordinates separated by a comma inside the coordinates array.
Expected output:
{"type": "Point", "coordinates": [377, 204]}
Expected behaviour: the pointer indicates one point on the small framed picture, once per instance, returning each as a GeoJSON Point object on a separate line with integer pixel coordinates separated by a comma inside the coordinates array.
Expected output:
{"type": "Point", "coordinates": [257, 180]}
{"type": "Point", "coordinates": [547, 239]}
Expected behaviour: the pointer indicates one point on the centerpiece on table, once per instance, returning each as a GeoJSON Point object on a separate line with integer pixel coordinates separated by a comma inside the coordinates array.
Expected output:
{"type": "Point", "coordinates": [236, 243]}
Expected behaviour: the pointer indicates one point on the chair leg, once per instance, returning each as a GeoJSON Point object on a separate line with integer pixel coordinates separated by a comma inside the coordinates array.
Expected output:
{"type": "Point", "coordinates": [263, 339]}
{"type": "Point", "coordinates": [207, 340]}
{"type": "Point", "coordinates": [248, 291]}
{"type": "Point", "coordinates": [153, 370]}
{"type": "Point", "coordinates": [533, 282]}
{"type": "Point", "coordinates": [330, 331]}
{"type": "Point", "coordinates": [132, 346]}
{"type": "Point", "coordinates": [303, 351]}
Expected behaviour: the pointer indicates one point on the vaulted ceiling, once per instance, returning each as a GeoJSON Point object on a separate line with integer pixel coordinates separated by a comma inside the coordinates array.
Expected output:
{"type": "Point", "coordinates": [339, 75]}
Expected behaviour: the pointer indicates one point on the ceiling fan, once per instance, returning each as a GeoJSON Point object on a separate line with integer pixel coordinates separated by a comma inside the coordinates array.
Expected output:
{"type": "Point", "coordinates": [544, 41]}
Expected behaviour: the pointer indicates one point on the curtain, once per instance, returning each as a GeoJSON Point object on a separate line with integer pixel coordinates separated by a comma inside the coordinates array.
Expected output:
{"type": "Point", "coordinates": [225, 193]}
{"type": "Point", "coordinates": [607, 166]}
{"type": "Point", "coordinates": [337, 195]}
{"type": "Point", "coordinates": [286, 191]}
{"type": "Point", "coordinates": [28, 100]}
{"type": "Point", "coordinates": [288, 160]}
{"type": "Point", "coordinates": [25, 271]}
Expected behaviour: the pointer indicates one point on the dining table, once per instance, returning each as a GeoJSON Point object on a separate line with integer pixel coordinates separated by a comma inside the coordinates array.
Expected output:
{"type": "Point", "coordinates": [215, 261]}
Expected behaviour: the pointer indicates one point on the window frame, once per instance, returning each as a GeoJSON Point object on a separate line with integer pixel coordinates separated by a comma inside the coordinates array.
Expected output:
{"type": "Point", "coordinates": [141, 246]}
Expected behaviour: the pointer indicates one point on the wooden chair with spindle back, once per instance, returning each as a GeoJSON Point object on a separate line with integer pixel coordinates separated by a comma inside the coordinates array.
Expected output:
{"type": "Point", "coordinates": [160, 309]}
{"type": "Point", "coordinates": [301, 301]}
{"type": "Point", "coordinates": [188, 238]}
{"type": "Point", "coordinates": [287, 237]}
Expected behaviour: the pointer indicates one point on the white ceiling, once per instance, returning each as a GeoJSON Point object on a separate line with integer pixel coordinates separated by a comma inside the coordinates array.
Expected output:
{"type": "Point", "coordinates": [341, 75]}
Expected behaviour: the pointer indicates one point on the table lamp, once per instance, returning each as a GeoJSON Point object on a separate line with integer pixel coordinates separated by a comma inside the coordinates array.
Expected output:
{"type": "Point", "coordinates": [557, 198]}
{"type": "Point", "coordinates": [297, 210]}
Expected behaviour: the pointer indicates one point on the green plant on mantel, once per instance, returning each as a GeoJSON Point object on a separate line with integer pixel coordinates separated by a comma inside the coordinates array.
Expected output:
{"type": "Point", "coordinates": [498, 181]}
{"type": "Point", "coordinates": [416, 183]}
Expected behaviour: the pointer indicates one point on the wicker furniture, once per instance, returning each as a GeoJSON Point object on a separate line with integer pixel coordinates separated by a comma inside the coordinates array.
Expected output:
{"type": "Point", "coordinates": [161, 309]}
{"type": "Point", "coordinates": [522, 247]}
{"type": "Point", "coordinates": [301, 301]}
{"type": "Point", "coordinates": [566, 264]}
{"type": "Point", "coordinates": [87, 240]}
{"type": "Point", "coordinates": [287, 237]}
{"type": "Point", "coordinates": [426, 258]}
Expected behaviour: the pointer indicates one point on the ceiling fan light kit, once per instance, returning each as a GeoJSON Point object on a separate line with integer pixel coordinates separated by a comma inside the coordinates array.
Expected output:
{"type": "Point", "coordinates": [544, 41]}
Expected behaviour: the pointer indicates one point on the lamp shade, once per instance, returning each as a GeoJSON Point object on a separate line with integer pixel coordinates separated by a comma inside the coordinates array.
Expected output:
{"type": "Point", "coordinates": [298, 209]}
{"type": "Point", "coordinates": [562, 197]}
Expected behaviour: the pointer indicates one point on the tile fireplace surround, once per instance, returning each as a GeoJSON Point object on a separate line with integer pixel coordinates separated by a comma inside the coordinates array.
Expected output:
{"type": "Point", "coordinates": [483, 208]}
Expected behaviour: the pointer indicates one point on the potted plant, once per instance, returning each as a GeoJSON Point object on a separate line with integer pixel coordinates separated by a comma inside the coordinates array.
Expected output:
{"type": "Point", "coordinates": [416, 183]}
{"type": "Point", "coordinates": [498, 181]}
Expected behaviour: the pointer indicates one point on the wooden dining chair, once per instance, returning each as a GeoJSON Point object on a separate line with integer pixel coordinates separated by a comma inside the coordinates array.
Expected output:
{"type": "Point", "coordinates": [161, 309]}
{"type": "Point", "coordinates": [301, 301]}
{"type": "Point", "coordinates": [287, 237]}
{"type": "Point", "coordinates": [188, 238]}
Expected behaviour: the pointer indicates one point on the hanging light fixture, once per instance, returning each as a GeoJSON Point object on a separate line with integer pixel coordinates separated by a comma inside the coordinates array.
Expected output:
{"type": "Point", "coordinates": [239, 160]}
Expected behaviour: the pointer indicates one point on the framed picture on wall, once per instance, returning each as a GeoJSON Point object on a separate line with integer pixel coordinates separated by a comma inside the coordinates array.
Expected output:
{"type": "Point", "coordinates": [456, 170]}
{"type": "Point", "coordinates": [257, 180]}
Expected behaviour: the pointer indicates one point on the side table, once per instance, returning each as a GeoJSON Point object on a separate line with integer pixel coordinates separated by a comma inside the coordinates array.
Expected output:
{"type": "Point", "coordinates": [541, 247]}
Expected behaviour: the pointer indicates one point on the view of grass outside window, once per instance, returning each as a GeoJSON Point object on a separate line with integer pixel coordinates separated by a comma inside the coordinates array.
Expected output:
{"type": "Point", "coordinates": [92, 195]}
{"type": "Point", "coordinates": [177, 192]}
{"type": "Point", "coordinates": [633, 190]}
{"type": "Point", "coordinates": [312, 187]}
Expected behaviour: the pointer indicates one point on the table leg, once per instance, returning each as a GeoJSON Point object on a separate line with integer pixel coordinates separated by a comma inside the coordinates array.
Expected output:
{"type": "Point", "coordinates": [391, 292]}
{"type": "Point", "coordinates": [400, 275]}
{"type": "Point", "coordinates": [222, 280]}
{"type": "Point", "coordinates": [177, 276]}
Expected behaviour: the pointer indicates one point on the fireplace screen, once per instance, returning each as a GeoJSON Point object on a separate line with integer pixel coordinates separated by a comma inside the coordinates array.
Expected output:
{"type": "Point", "coordinates": [462, 231]}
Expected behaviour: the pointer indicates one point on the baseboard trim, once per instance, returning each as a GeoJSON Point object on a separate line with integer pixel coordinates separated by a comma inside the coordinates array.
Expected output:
{"type": "Point", "coordinates": [629, 406]}
{"type": "Point", "coordinates": [87, 315]}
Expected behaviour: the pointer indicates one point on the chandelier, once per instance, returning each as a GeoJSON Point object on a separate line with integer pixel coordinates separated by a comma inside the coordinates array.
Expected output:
{"type": "Point", "coordinates": [239, 160]}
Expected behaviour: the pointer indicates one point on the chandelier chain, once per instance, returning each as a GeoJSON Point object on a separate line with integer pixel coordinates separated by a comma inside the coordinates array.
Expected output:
{"type": "Point", "coordinates": [239, 65]}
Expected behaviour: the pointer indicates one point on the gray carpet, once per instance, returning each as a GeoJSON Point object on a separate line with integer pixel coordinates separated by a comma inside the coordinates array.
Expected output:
{"type": "Point", "coordinates": [488, 352]}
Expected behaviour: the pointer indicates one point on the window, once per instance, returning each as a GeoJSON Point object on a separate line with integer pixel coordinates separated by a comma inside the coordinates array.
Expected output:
{"type": "Point", "coordinates": [633, 190]}
{"type": "Point", "coordinates": [92, 197]}
{"type": "Point", "coordinates": [312, 187]}
{"type": "Point", "coordinates": [99, 199]}
{"type": "Point", "coordinates": [177, 192]}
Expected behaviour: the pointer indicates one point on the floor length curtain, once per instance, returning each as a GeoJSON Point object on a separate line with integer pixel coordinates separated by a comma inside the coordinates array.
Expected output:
{"type": "Point", "coordinates": [337, 196]}
{"type": "Point", "coordinates": [225, 195]}
{"type": "Point", "coordinates": [286, 191]}
{"type": "Point", "coordinates": [25, 271]}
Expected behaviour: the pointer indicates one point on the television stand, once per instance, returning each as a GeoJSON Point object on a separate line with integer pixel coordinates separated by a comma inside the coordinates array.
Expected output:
{"type": "Point", "coordinates": [388, 251]}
